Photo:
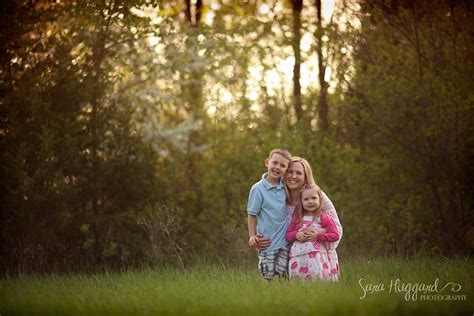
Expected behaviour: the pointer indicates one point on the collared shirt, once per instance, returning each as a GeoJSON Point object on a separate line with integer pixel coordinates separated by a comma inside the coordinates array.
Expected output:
{"type": "Point", "coordinates": [268, 203]}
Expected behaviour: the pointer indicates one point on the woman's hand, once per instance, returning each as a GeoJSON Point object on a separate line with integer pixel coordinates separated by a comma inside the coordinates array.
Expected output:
{"type": "Point", "coordinates": [301, 236]}
{"type": "Point", "coordinates": [259, 242]}
{"type": "Point", "coordinates": [312, 233]}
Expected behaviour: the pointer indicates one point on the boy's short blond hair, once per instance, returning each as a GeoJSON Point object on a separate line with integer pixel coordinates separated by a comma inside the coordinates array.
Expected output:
{"type": "Point", "coordinates": [283, 152]}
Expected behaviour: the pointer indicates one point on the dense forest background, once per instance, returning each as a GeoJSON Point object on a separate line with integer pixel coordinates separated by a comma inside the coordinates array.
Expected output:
{"type": "Point", "coordinates": [132, 131]}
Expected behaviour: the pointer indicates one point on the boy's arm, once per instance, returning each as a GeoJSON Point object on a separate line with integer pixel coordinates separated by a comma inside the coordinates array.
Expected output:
{"type": "Point", "coordinates": [256, 240]}
{"type": "Point", "coordinates": [331, 234]}
{"type": "Point", "coordinates": [252, 227]}
{"type": "Point", "coordinates": [254, 206]}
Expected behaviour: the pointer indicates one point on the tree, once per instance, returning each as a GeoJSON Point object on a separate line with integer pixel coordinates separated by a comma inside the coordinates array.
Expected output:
{"type": "Point", "coordinates": [297, 6]}
{"type": "Point", "coordinates": [410, 101]}
{"type": "Point", "coordinates": [323, 92]}
{"type": "Point", "coordinates": [74, 169]}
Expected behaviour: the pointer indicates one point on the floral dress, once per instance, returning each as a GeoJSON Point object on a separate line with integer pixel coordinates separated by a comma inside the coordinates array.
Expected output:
{"type": "Point", "coordinates": [313, 260]}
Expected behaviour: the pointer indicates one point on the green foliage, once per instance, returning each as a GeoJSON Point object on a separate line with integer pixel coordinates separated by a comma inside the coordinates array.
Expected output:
{"type": "Point", "coordinates": [409, 106]}
{"type": "Point", "coordinates": [129, 136]}
{"type": "Point", "coordinates": [73, 167]}
{"type": "Point", "coordinates": [163, 226]}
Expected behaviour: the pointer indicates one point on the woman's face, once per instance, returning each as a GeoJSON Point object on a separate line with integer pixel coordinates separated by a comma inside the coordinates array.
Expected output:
{"type": "Point", "coordinates": [295, 177]}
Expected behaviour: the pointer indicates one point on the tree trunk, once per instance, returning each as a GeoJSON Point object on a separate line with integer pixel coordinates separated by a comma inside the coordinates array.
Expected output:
{"type": "Point", "coordinates": [297, 8]}
{"type": "Point", "coordinates": [99, 54]}
{"type": "Point", "coordinates": [194, 97]}
{"type": "Point", "coordinates": [323, 99]}
{"type": "Point", "coordinates": [193, 17]}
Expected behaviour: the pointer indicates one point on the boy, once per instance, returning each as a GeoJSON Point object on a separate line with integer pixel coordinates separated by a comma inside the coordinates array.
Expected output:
{"type": "Point", "coordinates": [267, 208]}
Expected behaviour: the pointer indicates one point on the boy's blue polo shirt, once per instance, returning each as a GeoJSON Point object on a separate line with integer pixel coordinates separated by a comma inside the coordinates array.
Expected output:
{"type": "Point", "coordinates": [268, 203]}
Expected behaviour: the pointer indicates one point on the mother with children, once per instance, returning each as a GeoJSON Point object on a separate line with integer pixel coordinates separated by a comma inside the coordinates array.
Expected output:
{"type": "Point", "coordinates": [292, 223]}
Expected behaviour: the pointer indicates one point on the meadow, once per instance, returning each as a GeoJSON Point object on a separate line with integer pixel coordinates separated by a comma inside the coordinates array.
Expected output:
{"type": "Point", "coordinates": [425, 287]}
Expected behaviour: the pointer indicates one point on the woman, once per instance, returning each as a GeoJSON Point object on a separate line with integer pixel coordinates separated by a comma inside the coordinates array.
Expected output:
{"type": "Point", "coordinates": [298, 175]}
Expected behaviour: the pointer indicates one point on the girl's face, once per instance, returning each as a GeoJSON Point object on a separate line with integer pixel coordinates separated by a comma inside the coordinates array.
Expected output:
{"type": "Point", "coordinates": [310, 199]}
{"type": "Point", "coordinates": [295, 177]}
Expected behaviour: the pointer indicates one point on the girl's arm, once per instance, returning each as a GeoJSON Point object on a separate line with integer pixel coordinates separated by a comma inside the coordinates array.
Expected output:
{"type": "Point", "coordinates": [331, 233]}
{"type": "Point", "coordinates": [330, 210]}
{"type": "Point", "coordinates": [292, 230]}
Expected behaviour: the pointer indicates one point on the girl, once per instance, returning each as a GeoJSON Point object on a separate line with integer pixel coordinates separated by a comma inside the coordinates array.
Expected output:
{"type": "Point", "coordinates": [309, 259]}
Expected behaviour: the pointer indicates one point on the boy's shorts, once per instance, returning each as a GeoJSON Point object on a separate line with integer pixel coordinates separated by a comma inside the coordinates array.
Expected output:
{"type": "Point", "coordinates": [272, 262]}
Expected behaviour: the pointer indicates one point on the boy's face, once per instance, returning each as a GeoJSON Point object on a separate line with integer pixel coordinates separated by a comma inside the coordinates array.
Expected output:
{"type": "Point", "coordinates": [276, 165]}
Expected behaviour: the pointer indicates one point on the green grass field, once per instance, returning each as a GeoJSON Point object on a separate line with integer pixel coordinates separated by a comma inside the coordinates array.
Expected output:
{"type": "Point", "coordinates": [240, 291]}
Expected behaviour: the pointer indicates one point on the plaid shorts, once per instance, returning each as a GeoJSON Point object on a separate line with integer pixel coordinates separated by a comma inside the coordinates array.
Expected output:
{"type": "Point", "coordinates": [273, 262]}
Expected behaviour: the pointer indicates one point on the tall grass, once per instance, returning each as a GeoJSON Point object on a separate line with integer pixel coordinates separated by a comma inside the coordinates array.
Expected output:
{"type": "Point", "coordinates": [221, 290]}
